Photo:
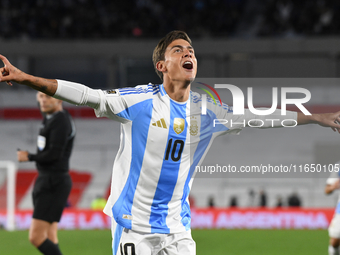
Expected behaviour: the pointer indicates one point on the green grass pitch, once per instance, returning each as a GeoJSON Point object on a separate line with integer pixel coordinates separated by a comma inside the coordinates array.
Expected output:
{"type": "Point", "coordinates": [226, 242]}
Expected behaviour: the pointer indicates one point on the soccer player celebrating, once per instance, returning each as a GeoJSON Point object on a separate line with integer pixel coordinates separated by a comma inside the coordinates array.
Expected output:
{"type": "Point", "coordinates": [332, 184]}
{"type": "Point", "coordinates": [164, 136]}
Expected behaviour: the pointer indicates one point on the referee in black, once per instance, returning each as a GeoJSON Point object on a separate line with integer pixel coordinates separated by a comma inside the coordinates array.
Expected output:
{"type": "Point", "coordinates": [53, 184]}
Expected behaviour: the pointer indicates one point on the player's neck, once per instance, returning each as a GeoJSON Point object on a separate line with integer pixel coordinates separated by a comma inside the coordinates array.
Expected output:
{"type": "Point", "coordinates": [178, 91]}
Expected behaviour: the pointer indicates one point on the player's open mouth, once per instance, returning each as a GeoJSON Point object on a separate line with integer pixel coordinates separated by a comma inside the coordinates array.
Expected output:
{"type": "Point", "coordinates": [188, 65]}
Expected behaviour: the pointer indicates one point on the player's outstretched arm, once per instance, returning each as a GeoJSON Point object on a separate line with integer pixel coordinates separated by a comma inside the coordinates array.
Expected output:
{"type": "Point", "coordinates": [331, 120]}
{"type": "Point", "coordinates": [10, 73]}
{"type": "Point", "coordinates": [71, 92]}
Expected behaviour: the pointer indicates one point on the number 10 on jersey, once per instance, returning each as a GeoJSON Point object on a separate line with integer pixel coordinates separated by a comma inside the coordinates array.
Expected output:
{"type": "Point", "coordinates": [174, 150]}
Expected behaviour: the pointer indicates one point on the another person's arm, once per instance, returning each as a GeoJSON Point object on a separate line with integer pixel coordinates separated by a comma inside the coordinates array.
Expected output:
{"type": "Point", "coordinates": [332, 183]}
{"type": "Point", "coordinates": [57, 140]}
{"type": "Point", "coordinates": [58, 136]}
{"type": "Point", "coordinates": [22, 156]}
{"type": "Point", "coordinates": [331, 187]}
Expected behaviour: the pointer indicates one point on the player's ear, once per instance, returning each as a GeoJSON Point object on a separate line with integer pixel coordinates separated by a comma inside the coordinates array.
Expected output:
{"type": "Point", "coordinates": [59, 103]}
{"type": "Point", "coordinates": [38, 96]}
{"type": "Point", "coordinates": [160, 65]}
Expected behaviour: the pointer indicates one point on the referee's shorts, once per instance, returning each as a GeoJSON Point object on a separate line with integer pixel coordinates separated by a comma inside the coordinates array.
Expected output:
{"type": "Point", "coordinates": [50, 194]}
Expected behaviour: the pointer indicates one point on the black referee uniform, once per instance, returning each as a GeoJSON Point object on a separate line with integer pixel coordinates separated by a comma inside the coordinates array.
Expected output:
{"type": "Point", "coordinates": [53, 184]}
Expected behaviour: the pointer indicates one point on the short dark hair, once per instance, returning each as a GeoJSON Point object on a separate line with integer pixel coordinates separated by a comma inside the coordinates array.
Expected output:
{"type": "Point", "coordinates": [159, 51]}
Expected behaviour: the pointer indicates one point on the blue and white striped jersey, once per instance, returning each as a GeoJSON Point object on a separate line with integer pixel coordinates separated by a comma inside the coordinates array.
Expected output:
{"type": "Point", "coordinates": [162, 141]}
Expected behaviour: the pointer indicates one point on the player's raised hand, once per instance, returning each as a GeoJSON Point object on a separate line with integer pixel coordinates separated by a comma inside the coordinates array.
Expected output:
{"type": "Point", "coordinates": [331, 120]}
{"type": "Point", "coordinates": [9, 72]}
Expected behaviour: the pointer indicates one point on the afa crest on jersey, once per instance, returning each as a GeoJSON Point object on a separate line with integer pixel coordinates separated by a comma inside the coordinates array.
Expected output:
{"type": "Point", "coordinates": [193, 126]}
{"type": "Point", "coordinates": [179, 125]}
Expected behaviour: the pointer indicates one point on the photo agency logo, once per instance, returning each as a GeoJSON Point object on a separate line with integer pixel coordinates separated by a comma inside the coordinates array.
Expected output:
{"type": "Point", "coordinates": [238, 106]}
{"type": "Point", "coordinates": [204, 96]}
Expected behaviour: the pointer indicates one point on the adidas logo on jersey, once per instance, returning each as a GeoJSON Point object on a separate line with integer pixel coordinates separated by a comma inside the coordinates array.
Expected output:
{"type": "Point", "coordinates": [160, 123]}
{"type": "Point", "coordinates": [127, 217]}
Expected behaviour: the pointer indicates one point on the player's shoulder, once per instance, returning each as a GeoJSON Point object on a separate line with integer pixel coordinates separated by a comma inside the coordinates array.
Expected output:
{"type": "Point", "coordinates": [64, 115]}
{"type": "Point", "coordinates": [59, 115]}
{"type": "Point", "coordinates": [58, 118]}
{"type": "Point", "coordinates": [137, 90]}
{"type": "Point", "coordinates": [210, 102]}
{"type": "Point", "coordinates": [195, 97]}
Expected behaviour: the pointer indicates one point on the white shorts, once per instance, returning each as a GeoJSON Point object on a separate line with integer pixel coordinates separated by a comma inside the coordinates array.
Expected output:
{"type": "Point", "coordinates": [334, 227]}
{"type": "Point", "coordinates": [135, 243]}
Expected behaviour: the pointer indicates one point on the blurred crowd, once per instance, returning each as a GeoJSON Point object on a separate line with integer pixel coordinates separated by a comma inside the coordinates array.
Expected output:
{"type": "Point", "coordinates": [107, 19]}
{"type": "Point", "coordinates": [303, 17]}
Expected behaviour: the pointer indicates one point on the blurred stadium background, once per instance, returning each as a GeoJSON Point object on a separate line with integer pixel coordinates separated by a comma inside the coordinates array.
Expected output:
{"type": "Point", "coordinates": [108, 44]}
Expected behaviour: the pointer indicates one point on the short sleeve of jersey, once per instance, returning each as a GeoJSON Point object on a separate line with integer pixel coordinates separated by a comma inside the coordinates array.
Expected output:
{"type": "Point", "coordinates": [123, 104]}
